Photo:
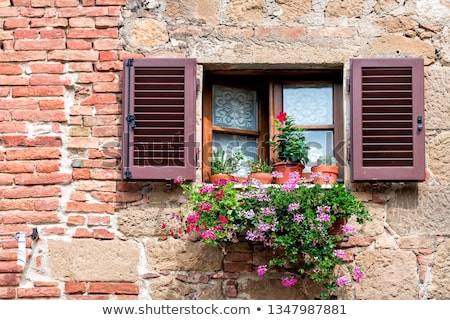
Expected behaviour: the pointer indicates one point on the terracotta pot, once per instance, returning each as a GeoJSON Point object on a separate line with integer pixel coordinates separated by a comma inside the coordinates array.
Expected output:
{"type": "Point", "coordinates": [286, 168]}
{"type": "Point", "coordinates": [263, 177]}
{"type": "Point", "coordinates": [215, 178]}
{"type": "Point", "coordinates": [329, 174]}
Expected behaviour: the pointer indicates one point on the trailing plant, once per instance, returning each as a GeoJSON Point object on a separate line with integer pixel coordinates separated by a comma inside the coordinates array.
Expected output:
{"type": "Point", "coordinates": [293, 220]}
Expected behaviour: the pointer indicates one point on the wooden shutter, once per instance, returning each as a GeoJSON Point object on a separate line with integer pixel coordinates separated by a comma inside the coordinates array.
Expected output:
{"type": "Point", "coordinates": [388, 135]}
{"type": "Point", "coordinates": [159, 119]}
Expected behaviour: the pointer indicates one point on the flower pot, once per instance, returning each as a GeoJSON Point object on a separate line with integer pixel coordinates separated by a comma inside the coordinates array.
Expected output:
{"type": "Point", "coordinates": [286, 168]}
{"type": "Point", "coordinates": [216, 178]}
{"type": "Point", "coordinates": [263, 177]}
{"type": "Point", "coordinates": [329, 174]}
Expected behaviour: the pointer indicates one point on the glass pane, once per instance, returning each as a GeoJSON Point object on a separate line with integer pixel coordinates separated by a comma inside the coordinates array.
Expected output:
{"type": "Point", "coordinates": [320, 144]}
{"type": "Point", "coordinates": [309, 104]}
{"type": "Point", "coordinates": [231, 143]}
{"type": "Point", "coordinates": [235, 108]}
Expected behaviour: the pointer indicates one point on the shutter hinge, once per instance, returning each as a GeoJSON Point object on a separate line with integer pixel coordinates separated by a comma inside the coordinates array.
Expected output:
{"type": "Point", "coordinates": [129, 62]}
{"type": "Point", "coordinates": [128, 174]}
{"type": "Point", "coordinates": [131, 120]}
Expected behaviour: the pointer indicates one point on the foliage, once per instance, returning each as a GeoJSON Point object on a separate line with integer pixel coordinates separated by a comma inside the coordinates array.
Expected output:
{"type": "Point", "coordinates": [259, 166]}
{"type": "Point", "coordinates": [220, 163]}
{"type": "Point", "coordinates": [326, 160]}
{"type": "Point", "coordinates": [289, 141]}
{"type": "Point", "coordinates": [293, 220]}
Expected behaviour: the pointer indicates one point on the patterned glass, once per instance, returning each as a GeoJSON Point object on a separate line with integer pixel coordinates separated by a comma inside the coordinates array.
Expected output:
{"type": "Point", "coordinates": [235, 108]}
{"type": "Point", "coordinates": [309, 104]}
{"type": "Point", "coordinates": [320, 143]}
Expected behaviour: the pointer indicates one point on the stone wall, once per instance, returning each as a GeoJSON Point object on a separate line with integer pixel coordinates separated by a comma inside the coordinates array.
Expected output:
{"type": "Point", "coordinates": [101, 237]}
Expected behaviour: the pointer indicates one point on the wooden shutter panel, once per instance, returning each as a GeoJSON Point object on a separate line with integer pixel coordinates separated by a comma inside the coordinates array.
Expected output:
{"type": "Point", "coordinates": [159, 119]}
{"type": "Point", "coordinates": [388, 134]}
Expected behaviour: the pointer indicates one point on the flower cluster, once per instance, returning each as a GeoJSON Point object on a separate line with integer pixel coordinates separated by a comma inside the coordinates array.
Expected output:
{"type": "Point", "coordinates": [293, 220]}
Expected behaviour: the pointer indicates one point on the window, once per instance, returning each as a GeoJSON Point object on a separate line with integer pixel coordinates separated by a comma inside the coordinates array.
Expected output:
{"type": "Point", "coordinates": [158, 108]}
{"type": "Point", "coordinates": [388, 136]}
{"type": "Point", "coordinates": [239, 108]}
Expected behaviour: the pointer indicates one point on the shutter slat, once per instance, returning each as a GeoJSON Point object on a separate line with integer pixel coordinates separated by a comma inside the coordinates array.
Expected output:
{"type": "Point", "coordinates": [385, 103]}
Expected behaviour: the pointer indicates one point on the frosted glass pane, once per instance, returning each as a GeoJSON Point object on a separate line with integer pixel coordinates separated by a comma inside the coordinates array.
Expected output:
{"type": "Point", "coordinates": [320, 143]}
{"type": "Point", "coordinates": [309, 104]}
{"type": "Point", "coordinates": [231, 143]}
{"type": "Point", "coordinates": [235, 108]}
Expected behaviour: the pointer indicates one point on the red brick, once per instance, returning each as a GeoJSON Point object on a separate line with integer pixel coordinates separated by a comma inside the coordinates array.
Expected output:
{"type": "Point", "coordinates": [238, 257]}
{"type": "Point", "coordinates": [16, 167]}
{"type": "Point", "coordinates": [9, 279]}
{"type": "Point", "coordinates": [117, 197]}
{"type": "Point", "coordinates": [45, 283]}
{"type": "Point", "coordinates": [52, 34]}
{"type": "Point", "coordinates": [83, 12]}
{"type": "Point", "coordinates": [9, 69]}
{"type": "Point", "coordinates": [51, 104]}
{"type": "Point", "coordinates": [95, 220]}
{"type": "Point", "coordinates": [84, 142]}
{"type": "Point", "coordinates": [76, 220]}
{"type": "Point", "coordinates": [25, 34]}
{"type": "Point", "coordinates": [108, 108]}
{"type": "Point", "coordinates": [79, 45]}
{"type": "Point", "coordinates": [48, 22]}
{"type": "Point", "coordinates": [22, 56]}
{"type": "Point", "coordinates": [9, 267]}
{"type": "Point", "coordinates": [43, 178]}
{"type": "Point", "coordinates": [32, 192]}
{"type": "Point", "coordinates": [75, 287]}
{"type": "Point", "coordinates": [51, 91]}
{"type": "Point", "coordinates": [13, 81]}
{"type": "Point", "coordinates": [78, 196]}
{"type": "Point", "coordinates": [78, 174]}
{"type": "Point", "coordinates": [100, 99]}
{"type": "Point", "coordinates": [109, 66]}
{"type": "Point", "coordinates": [39, 44]}
{"type": "Point", "coordinates": [95, 77]}
{"type": "Point", "coordinates": [237, 267]}
{"type": "Point", "coordinates": [33, 154]}
{"type": "Point", "coordinates": [108, 56]}
{"type": "Point", "coordinates": [89, 297]}
{"type": "Point", "coordinates": [46, 67]}
{"type": "Point", "coordinates": [6, 179]}
{"type": "Point", "coordinates": [72, 55]}
{"type": "Point", "coordinates": [46, 204]}
{"type": "Point", "coordinates": [103, 234]}
{"type": "Point", "coordinates": [24, 141]}
{"type": "Point", "coordinates": [7, 293]}
{"type": "Point", "coordinates": [31, 217]}
{"type": "Point", "coordinates": [13, 23]}
{"type": "Point", "coordinates": [8, 255]}
{"type": "Point", "coordinates": [82, 233]}
{"type": "Point", "coordinates": [27, 11]}
{"type": "Point", "coordinates": [92, 33]}
{"type": "Point", "coordinates": [113, 288]}
{"type": "Point", "coordinates": [40, 292]}
{"type": "Point", "coordinates": [47, 166]}
{"type": "Point", "coordinates": [51, 80]}
{"type": "Point", "coordinates": [66, 3]}
{"type": "Point", "coordinates": [106, 87]}
{"type": "Point", "coordinates": [100, 174]}
{"type": "Point", "coordinates": [106, 44]}
{"type": "Point", "coordinates": [81, 22]}
{"type": "Point", "coordinates": [89, 207]}
{"type": "Point", "coordinates": [15, 204]}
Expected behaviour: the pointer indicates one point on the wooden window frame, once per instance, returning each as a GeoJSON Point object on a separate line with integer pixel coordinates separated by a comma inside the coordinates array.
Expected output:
{"type": "Point", "coordinates": [270, 105]}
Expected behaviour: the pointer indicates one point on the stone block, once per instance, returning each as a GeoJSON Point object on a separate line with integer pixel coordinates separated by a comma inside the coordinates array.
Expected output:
{"type": "Point", "coordinates": [93, 260]}
{"type": "Point", "coordinates": [440, 286]}
{"type": "Point", "coordinates": [180, 255]}
{"type": "Point", "coordinates": [389, 275]}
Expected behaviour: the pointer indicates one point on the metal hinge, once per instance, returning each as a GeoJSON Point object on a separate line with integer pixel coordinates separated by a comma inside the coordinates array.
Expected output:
{"type": "Point", "coordinates": [131, 120]}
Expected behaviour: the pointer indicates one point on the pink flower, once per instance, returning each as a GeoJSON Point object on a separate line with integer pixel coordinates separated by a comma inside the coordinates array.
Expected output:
{"type": "Point", "coordinates": [348, 228]}
{"type": "Point", "coordinates": [261, 270]}
{"type": "Point", "coordinates": [342, 281]}
{"type": "Point", "coordinates": [340, 253]}
{"type": "Point", "coordinates": [293, 207]}
{"type": "Point", "coordinates": [208, 234]}
{"type": "Point", "coordinates": [193, 218]}
{"type": "Point", "coordinates": [288, 281]}
{"type": "Point", "coordinates": [223, 219]}
{"type": "Point", "coordinates": [357, 274]}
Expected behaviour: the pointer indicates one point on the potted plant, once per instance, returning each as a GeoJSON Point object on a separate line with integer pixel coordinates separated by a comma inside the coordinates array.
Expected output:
{"type": "Point", "coordinates": [223, 166]}
{"type": "Point", "coordinates": [325, 171]}
{"type": "Point", "coordinates": [292, 220]}
{"type": "Point", "coordinates": [290, 146]}
{"type": "Point", "coordinates": [261, 171]}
